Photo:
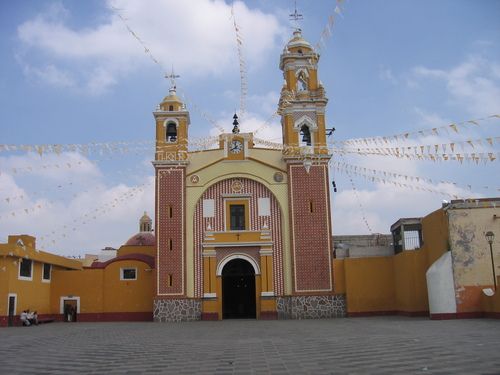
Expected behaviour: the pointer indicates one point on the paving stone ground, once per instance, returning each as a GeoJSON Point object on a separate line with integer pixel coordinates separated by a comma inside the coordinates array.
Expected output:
{"type": "Point", "coordinates": [382, 345]}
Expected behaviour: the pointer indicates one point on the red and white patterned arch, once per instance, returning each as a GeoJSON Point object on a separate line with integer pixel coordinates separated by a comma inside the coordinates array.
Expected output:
{"type": "Point", "coordinates": [249, 189]}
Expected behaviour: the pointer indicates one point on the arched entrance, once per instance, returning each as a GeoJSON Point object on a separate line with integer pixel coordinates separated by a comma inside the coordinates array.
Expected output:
{"type": "Point", "coordinates": [238, 290]}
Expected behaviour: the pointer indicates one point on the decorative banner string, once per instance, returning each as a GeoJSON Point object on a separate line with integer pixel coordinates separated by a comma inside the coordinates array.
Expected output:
{"type": "Point", "coordinates": [148, 51]}
{"type": "Point", "coordinates": [453, 128]}
{"type": "Point", "coordinates": [475, 157]}
{"type": "Point", "coordinates": [398, 176]}
{"type": "Point", "coordinates": [361, 208]}
{"type": "Point", "coordinates": [61, 187]}
{"type": "Point", "coordinates": [441, 148]}
{"type": "Point", "coordinates": [243, 76]}
{"type": "Point", "coordinates": [395, 183]}
{"type": "Point", "coordinates": [52, 237]}
{"type": "Point", "coordinates": [85, 148]}
{"type": "Point", "coordinates": [327, 30]}
{"type": "Point", "coordinates": [285, 100]}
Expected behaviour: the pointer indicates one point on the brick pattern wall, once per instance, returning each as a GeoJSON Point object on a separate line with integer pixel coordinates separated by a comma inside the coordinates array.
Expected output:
{"type": "Point", "coordinates": [170, 231]}
{"type": "Point", "coordinates": [255, 190]}
{"type": "Point", "coordinates": [311, 230]}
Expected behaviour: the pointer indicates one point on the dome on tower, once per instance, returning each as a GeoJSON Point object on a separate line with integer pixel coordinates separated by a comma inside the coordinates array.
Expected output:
{"type": "Point", "coordinates": [145, 237]}
{"type": "Point", "coordinates": [171, 102]}
{"type": "Point", "coordinates": [297, 42]}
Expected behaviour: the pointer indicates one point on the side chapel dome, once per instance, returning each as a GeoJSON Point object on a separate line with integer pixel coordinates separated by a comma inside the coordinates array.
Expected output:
{"type": "Point", "coordinates": [145, 237]}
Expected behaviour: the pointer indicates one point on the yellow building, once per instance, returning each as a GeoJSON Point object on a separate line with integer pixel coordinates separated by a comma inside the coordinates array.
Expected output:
{"type": "Point", "coordinates": [446, 276]}
{"type": "Point", "coordinates": [27, 278]}
{"type": "Point", "coordinates": [118, 289]}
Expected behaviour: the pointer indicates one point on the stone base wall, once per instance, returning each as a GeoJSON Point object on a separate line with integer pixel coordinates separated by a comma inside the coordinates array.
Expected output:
{"type": "Point", "coordinates": [311, 307]}
{"type": "Point", "coordinates": [176, 310]}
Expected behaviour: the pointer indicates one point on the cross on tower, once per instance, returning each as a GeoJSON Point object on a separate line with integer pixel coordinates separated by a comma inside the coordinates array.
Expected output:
{"type": "Point", "coordinates": [296, 16]}
{"type": "Point", "coordinates": [172, 76]}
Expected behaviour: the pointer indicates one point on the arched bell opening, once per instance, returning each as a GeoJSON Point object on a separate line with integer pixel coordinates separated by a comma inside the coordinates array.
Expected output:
{"type": "Point", "coordinates": [305, 135]}
{"type": "Point", "coordinates": [238, 290]}
{"type": "Point", "coordinates": [171, 132]}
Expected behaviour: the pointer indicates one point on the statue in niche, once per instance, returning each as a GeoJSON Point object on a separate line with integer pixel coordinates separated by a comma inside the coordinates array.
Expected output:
{"type": "Point", "coordinates": [301, 82]}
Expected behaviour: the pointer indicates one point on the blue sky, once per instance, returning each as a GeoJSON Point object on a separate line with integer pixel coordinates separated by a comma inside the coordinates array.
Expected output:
{"type": "Point", "coordinates": [72, 73]}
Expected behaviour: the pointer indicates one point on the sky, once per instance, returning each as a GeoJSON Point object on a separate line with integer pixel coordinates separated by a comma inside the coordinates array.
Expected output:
{"type": "Point", "coordinates": [72, 72]}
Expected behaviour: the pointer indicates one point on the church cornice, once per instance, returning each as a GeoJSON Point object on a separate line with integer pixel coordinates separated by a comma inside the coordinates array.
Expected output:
{"type": "Point", "coordinates": [291, 110]}
{"type": "Point", "coordinates": [169, 163]}
{"type": "Point", "coordinates": [322, 159]}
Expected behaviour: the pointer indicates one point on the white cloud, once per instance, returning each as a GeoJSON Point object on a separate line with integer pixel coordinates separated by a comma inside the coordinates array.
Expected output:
{"type": "Point", "coordinates": [51, 75]}
{"type": "Point", "coordinates": [266, 103]}
{"type": "Point", "coordinates": [67, 165]}
{"type": "Point", "coordinates": [42, 202]}
{"type": "Point", "coordinates": [384, 205]}
{"type": "Point", "coordinates": [473, 85]}
{"type": "Point", "coordinates": [386, 74]}
{"type": "Point", "coordinates": [197, 38]}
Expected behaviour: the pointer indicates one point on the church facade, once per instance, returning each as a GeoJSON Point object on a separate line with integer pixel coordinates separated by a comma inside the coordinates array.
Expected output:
{"type": "Point", "coordinates": [244, 231]}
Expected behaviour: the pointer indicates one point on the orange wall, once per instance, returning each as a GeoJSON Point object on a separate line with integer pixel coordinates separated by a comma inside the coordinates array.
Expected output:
{"type": "Point", "coordinates": [383, 284]}
{"type": "Point", "coordinates": [410, 281]}
{"type": "Point", "coordinates": [101, 290]}
{"type": "Point", "coordinates": [128, 295]}
{"type": "Point", "coordinates": [31, 294]}
{"type": "Point", "coordinates": [435, 235]}
{"type": "Point", "coordinates": [369, 284]}
{"type": "Point", "coordinates": [339, 276]}
{"type": "Point", "coordinates": [86, 284]}
{"type": "Point", "coordinates": [4, 286]}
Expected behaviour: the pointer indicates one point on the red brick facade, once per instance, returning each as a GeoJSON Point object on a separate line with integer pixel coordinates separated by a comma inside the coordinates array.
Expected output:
{"type": "Point", "coordinates": [310, 222]}
{"type": "Point", "coordinates": [170, 230]}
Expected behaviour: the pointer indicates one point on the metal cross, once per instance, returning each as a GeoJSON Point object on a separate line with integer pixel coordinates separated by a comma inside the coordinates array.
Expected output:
{"type": "Point", "coordinates": [296, 16]}
{"type": "Point", "coordinates": [172, 76]}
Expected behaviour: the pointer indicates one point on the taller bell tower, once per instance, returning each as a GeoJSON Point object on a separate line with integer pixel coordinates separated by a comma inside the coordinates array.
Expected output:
{"type": "Point", "coordinates": [302, 108]}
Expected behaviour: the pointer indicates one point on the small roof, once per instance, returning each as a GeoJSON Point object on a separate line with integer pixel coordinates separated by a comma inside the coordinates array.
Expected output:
{"type": "Point", "coordinates": [39, 256]}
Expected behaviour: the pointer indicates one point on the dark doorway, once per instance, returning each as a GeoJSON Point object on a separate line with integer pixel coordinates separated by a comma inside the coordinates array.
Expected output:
{"type": "Point", "coordinates": [70, 310]}
{"type": "Point", "coordinates": [238, 290]}
{"type": "Point", "coordinates": [12, 307]}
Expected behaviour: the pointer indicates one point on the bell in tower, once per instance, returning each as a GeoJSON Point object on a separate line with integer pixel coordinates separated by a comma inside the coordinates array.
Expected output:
{"type": "Point", "coordinates": [306, 135]}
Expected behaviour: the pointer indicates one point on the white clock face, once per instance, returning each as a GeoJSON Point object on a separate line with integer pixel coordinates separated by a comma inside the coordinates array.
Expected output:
{"type": "Point", "coordinates": [235, 147]}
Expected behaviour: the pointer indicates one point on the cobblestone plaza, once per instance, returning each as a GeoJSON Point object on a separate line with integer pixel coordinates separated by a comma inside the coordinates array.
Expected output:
{"type": "Point", "coordinates": [381, 345]}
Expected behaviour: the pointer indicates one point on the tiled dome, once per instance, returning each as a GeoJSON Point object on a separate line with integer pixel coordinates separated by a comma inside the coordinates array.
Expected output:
{"type": "Point", "coordinates": [142, 239]}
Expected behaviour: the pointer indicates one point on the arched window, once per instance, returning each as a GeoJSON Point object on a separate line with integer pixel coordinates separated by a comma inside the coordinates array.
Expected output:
{"type": "Point", "coordinates": [171, 132]}
{"type": "Point", "coordinates": [306, 135]}
{"type": "Point", "coordinates": [171, 108]}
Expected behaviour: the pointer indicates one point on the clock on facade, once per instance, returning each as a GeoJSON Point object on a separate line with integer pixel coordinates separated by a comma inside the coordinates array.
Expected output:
{"type": "Point", "coordinates": [236, 147]}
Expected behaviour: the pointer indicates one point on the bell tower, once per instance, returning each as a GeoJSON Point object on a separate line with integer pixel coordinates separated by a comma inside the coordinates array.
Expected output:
{"type": "Point", "coordinates": [302, 108]}
{"type": "Point", "coordinates": [171, 159]}
{"type": "Point", "coordinates": [302, 101]}
{"type": "Point", "coordinates": [172, 121]}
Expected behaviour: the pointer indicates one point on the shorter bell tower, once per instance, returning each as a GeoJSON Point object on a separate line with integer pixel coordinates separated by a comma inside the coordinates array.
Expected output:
{"type": "Point", "coordinates": [171, 159]}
